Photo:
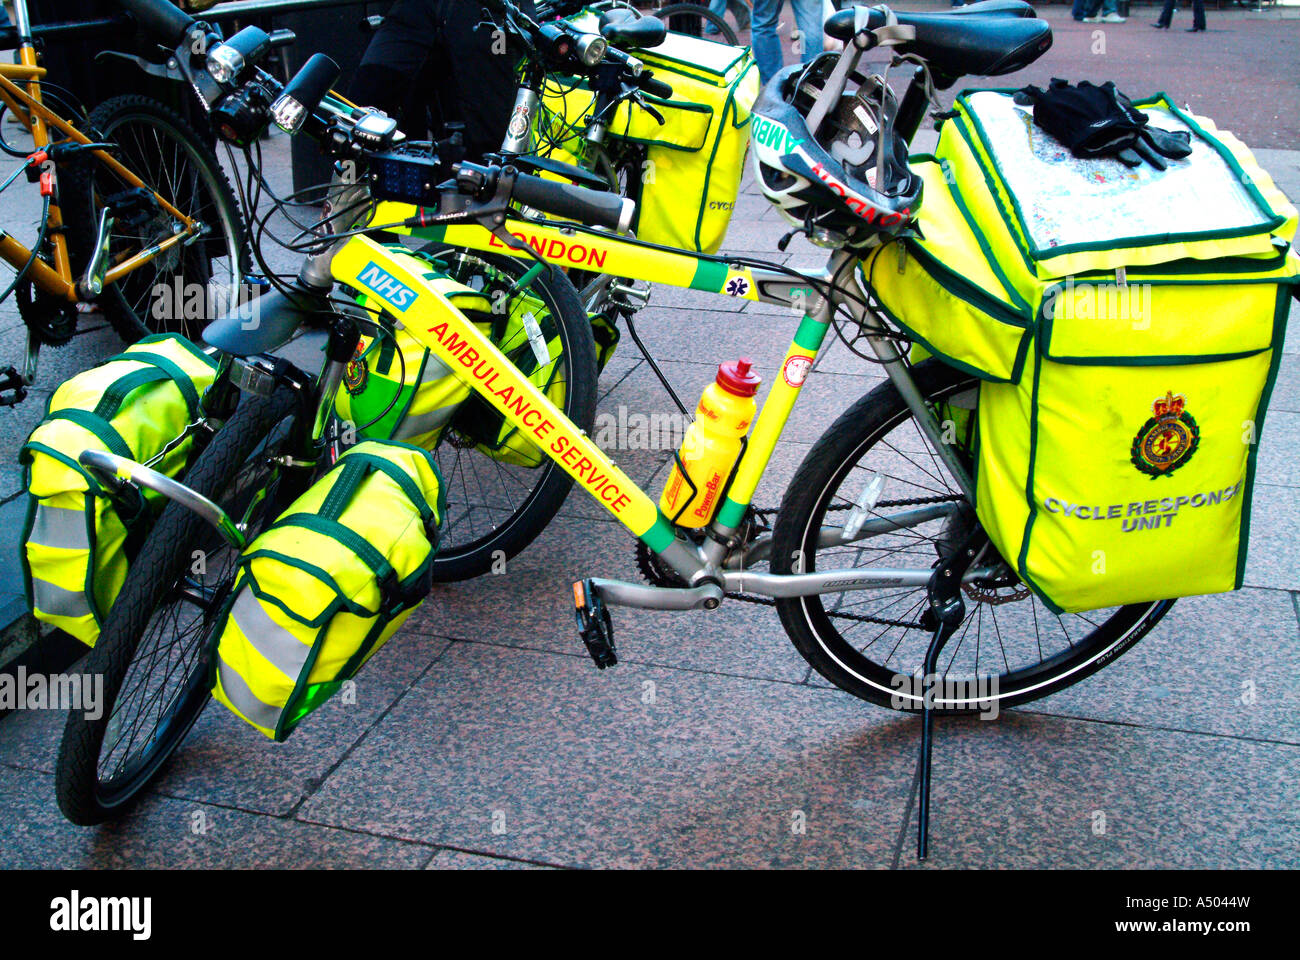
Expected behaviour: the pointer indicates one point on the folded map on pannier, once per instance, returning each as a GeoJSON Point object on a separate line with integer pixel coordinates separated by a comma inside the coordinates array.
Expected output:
{"type": "Point", "coordinates": [1127, 326]}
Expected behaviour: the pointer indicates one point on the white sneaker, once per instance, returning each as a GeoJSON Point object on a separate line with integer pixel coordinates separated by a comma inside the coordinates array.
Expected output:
{"type": "Point", "coordinates": [1092, 19]}
{"type": "Point", "coordinates": [1113, 18]}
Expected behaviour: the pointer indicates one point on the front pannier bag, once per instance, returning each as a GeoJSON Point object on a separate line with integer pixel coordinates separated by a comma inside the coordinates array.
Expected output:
{"type": "Point", "coordinates": [695, 158]}
{"type": "Point", "coordinates": [1127, 325]}
{"type": "Point", "coordinates": [80, 535]}
{"type": "Point", "coordinates": [327, 584]}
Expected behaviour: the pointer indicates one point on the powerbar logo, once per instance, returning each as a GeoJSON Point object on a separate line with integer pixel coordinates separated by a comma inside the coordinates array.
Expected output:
{"type": "Point", "coordinates": [78, 914]}
{"type": "Point", "coordinates": [382, 283]}
{"type": "Point", "coordinates": [1141, 514]}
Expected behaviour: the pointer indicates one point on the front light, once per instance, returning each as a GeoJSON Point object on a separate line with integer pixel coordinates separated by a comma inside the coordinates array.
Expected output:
{"type": "Point", "coordinates": [225, 63]}
{"type": "Point", "coordinates": [591, 49]}
{"type": "Point", "coordinates": [289, 115]}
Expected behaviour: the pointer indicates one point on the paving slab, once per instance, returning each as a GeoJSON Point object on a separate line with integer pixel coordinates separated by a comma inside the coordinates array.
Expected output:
{"type": "Point", "coordinates": [167, 834]}
{"type": "Point", "coordinates": [1033, 791]}
{"type": "Point", "coordinates": [528, 755]}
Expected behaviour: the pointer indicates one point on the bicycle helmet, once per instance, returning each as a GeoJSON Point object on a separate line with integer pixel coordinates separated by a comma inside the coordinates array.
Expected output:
{"type": "Point", "coordinates": [849, 185]}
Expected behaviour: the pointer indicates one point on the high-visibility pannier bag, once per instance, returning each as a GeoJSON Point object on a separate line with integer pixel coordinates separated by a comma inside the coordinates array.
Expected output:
{"type": "Point", "coordinates": [79, 535]}
{"type": "Point", "coordinates": [1127, 345]}
{"type": "Point", "coordinates": [394, 388]}
{"type": "Point", "coordinates": [695, 159]}
{"type": "Point", "coordinates": [324, 587]}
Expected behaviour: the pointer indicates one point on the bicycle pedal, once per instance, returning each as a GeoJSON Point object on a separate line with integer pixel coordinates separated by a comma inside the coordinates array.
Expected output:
{"type": "Point", "coordinates": [13, 388]}
{"type": "Point", "coordinates": [594, 624]}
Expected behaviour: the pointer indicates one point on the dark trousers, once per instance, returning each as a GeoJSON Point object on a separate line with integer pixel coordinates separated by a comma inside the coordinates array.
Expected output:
{"type": "Point", "coordinates": [429, 58]}
{"type": "Point", "coordinates": [1198, 14]}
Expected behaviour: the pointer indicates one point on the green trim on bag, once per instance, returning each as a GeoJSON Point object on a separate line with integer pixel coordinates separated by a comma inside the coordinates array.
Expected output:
{"type": "Point", "coordinates": [1022, 560]}
{"type": "Point", "coordinates": [1279, 335]}
{"type": "Point", "coordinates": [728, 107]}
{"type": "Point", "coordinates": [170, 368]}
{"type": "Point", "coordinates": [102, 429]}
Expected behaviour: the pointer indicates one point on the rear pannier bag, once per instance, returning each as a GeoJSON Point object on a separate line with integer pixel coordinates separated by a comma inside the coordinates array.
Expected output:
{"type": "Point", "coordinates": [395, 388]}
{"type": "Point", "coordinates": [1127, 341]}
{"type": "Point", "coordinates": [79, 535]}
{"type": "Point", "coordinates": [696, 158]}
{"type": "Point", "coordinates": [327, 584]}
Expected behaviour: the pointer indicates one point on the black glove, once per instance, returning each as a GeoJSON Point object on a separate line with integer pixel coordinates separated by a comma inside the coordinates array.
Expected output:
{"type": "Point", "coordinates": [1102, 122]}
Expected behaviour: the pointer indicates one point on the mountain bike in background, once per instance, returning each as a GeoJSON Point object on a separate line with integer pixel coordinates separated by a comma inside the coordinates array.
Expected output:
{"type": "Point", "coordinates": [134, 208]}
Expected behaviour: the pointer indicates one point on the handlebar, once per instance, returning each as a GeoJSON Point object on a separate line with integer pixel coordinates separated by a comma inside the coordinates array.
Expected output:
{"type": "Point", "coordinates": [592, 207]}
{"type": "Point", "coordinates": [160, 19]}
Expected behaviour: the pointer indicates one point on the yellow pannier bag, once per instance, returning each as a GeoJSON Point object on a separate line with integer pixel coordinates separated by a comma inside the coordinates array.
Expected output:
{"type": "Point", "coordinates": [327, 584]}
{"type": "Point", "coordinates": [79, 535]}
{"type": "Point", "coordinates": [695, 158]}
{"type": "Point", "coordinates": [394, 388]}
{"type": "Point", "coordinates": [1125, 376]}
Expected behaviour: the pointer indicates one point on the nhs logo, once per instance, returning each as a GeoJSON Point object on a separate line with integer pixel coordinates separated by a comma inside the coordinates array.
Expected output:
{"type": "Point", "coordinates": [397, 294]}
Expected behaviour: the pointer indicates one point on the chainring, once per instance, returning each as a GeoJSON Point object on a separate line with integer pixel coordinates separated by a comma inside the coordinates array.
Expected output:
{"type": "Point", "coordinates": [52, 321]}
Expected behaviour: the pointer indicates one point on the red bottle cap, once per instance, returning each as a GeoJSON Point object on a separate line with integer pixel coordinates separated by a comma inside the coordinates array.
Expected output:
{"type": "Point", "coordinates": [738, 379]}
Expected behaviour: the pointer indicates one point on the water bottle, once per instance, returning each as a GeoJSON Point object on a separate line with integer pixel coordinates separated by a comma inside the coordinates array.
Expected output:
{"type": "Point", "coordinates": [712, 446]}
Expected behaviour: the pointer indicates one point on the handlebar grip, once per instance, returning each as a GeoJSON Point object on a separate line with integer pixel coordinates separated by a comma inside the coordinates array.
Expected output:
{"type": "Point", "coordinates": [160, 19]}
{"type": "Point", "coordinates": [656, 88]}
{"type": "Point", "coordinates": [592, 207]}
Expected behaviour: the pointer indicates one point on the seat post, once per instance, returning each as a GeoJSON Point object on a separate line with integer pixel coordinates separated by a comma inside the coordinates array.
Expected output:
{"type": "Point", "coordinates": [911, 109]}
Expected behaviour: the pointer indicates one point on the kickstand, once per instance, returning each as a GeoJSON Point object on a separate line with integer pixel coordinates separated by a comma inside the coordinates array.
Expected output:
{"type": "Point", "coordinates": [947, 609]}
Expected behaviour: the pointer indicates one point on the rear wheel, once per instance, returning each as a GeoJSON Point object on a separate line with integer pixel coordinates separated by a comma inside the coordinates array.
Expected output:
{"type": "Point", "coordinates": [870, 643]}
{"type": "Point", "coordinates": [496, 509]}
{"type": "Point", "coordinates": [153, 650]}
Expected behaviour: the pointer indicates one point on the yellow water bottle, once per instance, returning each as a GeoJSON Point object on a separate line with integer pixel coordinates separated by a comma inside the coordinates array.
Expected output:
{"type": "Point", "coordinates": [711, 446]}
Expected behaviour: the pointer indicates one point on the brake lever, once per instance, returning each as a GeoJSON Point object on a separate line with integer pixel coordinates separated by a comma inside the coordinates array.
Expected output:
{"type": "Point", "coordinates": [639, 100]}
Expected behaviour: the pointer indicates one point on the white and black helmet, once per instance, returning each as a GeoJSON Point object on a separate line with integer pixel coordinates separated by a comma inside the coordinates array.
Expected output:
{"type": "Point", "coordinates": [849, 183]}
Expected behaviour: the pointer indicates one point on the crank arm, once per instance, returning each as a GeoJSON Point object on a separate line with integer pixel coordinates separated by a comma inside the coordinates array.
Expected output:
{"type": "Point", "coordinates": [620, 593]}
{"type": "Point", "coordinates": [119, 470]}
{"type": "Point", "coordinates": [833, 581]}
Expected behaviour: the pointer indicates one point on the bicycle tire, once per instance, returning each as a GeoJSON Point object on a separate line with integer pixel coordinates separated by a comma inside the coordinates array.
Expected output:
{"type": "Point", "coordinates": [808, 623]}
{"type": "Point", "coordinates": [725, 33]}
{"type": "Point", "coordinates": [462, 560]}
{"type": "Point", "coordinates": [83, 796]}
{"type": "Point", "coordinates": [135, 304]}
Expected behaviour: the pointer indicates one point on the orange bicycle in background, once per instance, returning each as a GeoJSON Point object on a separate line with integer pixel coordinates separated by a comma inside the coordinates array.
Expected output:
{"type": "Point", "coordinates": [137, 216]}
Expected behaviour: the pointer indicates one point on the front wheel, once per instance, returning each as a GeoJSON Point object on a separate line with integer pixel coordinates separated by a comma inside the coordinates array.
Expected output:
{"type": "Point", "coordinates": [496, 508]}
{"type": "Point", "coordinates": [153, 649]}
{"type": "Point", "coordinates": [871, 643]}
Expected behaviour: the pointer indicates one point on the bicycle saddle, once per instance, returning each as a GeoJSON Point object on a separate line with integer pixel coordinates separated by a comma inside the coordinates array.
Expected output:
{"type": "Point", "coordinates": [626, 28]}
{"type": "Point", "coordinates": [969, 41]}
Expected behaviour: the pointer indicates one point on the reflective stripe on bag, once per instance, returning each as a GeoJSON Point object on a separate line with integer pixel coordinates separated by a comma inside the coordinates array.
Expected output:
{"type": "Point", "coordinates": [59, 527]}
{"type": "Point", "coordinates": [243, 699]}
{"type": "Point", "coordinates": [53, 600]}
{"type": "Point", "coordinates": [280, 647]}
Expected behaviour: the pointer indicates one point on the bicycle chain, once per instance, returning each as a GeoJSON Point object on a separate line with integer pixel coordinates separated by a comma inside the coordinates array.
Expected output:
{"type": "Point", "coordinates": [646, 563]}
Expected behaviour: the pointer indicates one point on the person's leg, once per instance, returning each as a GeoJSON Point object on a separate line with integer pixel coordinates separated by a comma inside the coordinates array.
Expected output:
{"type": "Point", "coordinates": [482, 86]}
{"type": "Point", "coordinates": [767, 45]}
{"type": "Point", "coordinates": [394, 58]}
{"type": "Point", "coordinates": [1110, 8]}
{"type": "Point", "coordinates": [1079, 10]}
{"type": "Point", "coordinates": [808, 17]}
{"type": "Point", "coordinates": [1198, 14]}
{"type": "Point", "coordinates": [1093, 10]}
{"type": "Point", "coordinates": [1166, 14]}
{"type": "Point", "coordinates": [720, 8]}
